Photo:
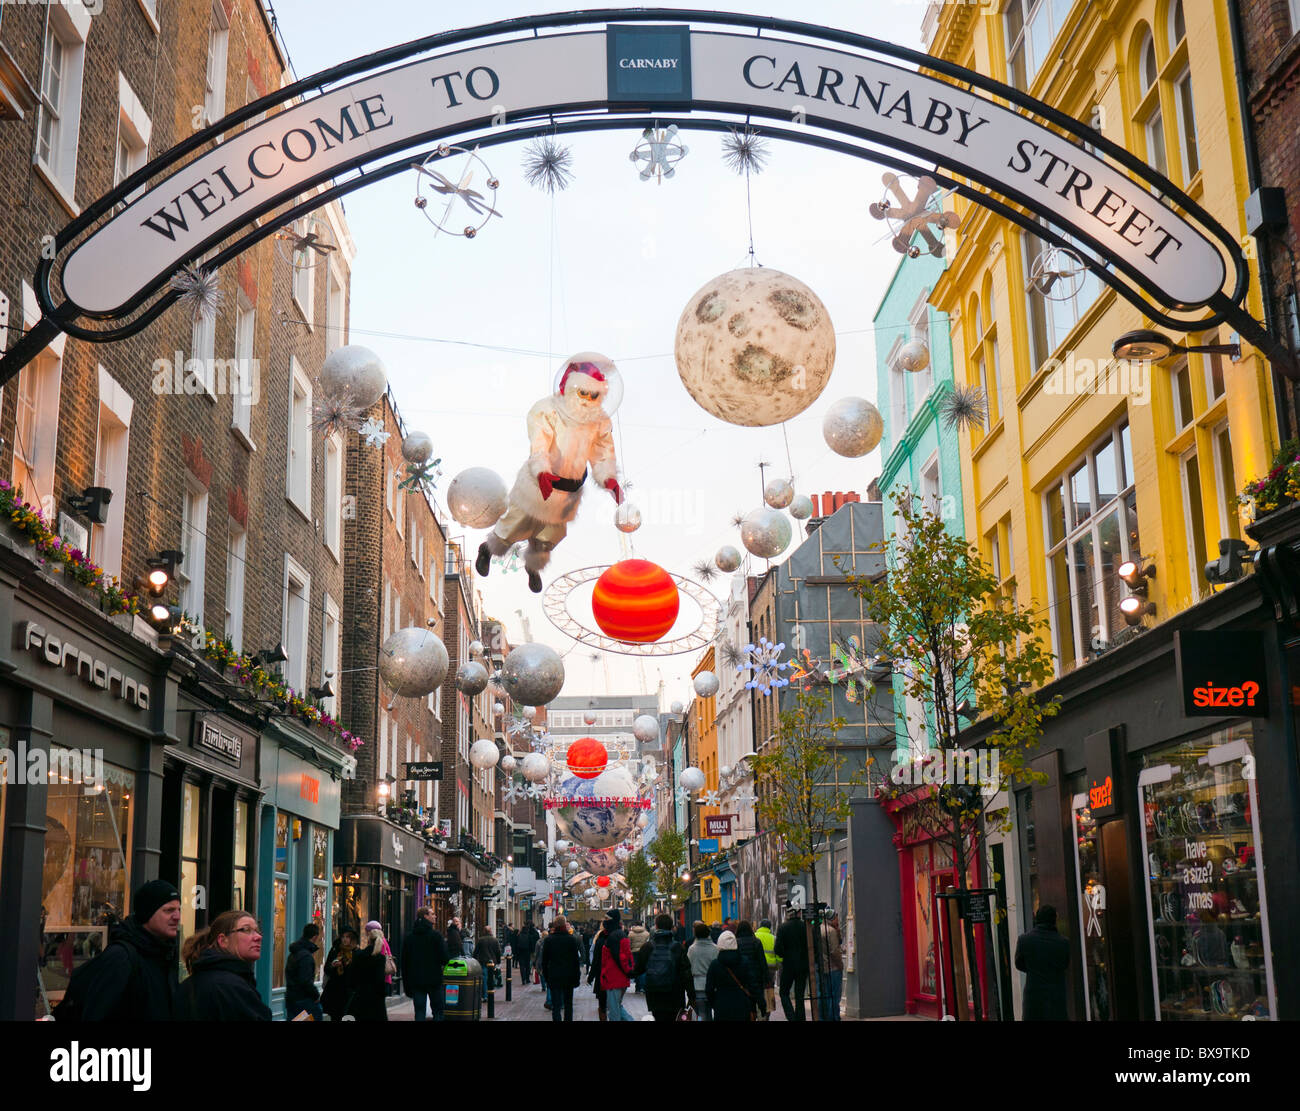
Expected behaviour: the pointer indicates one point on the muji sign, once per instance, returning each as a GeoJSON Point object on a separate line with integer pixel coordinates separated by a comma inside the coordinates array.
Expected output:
{"type": "Point", "coordinates": [718, 825]}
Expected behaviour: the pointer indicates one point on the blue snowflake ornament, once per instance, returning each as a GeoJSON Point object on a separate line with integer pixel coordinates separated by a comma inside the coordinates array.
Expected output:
{"type": "Point", "coordinates": [764, 660]}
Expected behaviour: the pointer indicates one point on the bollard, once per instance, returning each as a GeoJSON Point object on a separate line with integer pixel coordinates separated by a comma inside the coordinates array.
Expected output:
{"type": "Point", "coordinates": [508, 983]}
{"type": "Point", "coordinates": [492, 991]}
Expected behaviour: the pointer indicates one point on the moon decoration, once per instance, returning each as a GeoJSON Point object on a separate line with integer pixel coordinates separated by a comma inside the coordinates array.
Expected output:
{"type": "Point", "coordinates": [413, 662]}
{"type": "Point", "coordinates": [498, 707]}
{"type": "Point", "coordinates": [536, 767]}
{"type": "Point", "coordinates": [635, 601]}
{"type": "Point", "coordinates": [587, 758]}
{"type": "Point", "coordinates": [692, 779]}
{"type": "Point", "coordinates": [417, 447]}
{"type": "Point", "coordinates": [852, 427]}
{"type": "Point", "coordinates": [727, 559]}
{"type": "Point", "coordinates": [533, 674]}
{"type": "Point", "coordinates": [646, 728]}
{"type": "Point", "coordinates": [706, 684]}
{"type": "Point", "coordinates": [353, 371]}
{"type": "Point", "coordinates": [801, 507]}
{"type": "Point", "coordinates": [471, 678]}
{"type": "Point", "coordinates": [483, 753]}
{"type": "Point", "coordinates": [477, 497]}
{"type": "Point", "coordinates": [507, 763]}
{"type": "Point", "coordinates": [914, 356]}
{"type": "Point", "coordinates": [621, 853]}
{"type": "Point", "coordinates": [766, 532]}
{"type": "Point", "coordinates": [778, 493]}
{"type": "Point", "coordinates": [475, 648]}
{"type": "Point", "coordinates": [755, 347]}
{"type": "Point", "coordinates": [627, 517]}
{"type": "Point", "coordinates": [677, 708]}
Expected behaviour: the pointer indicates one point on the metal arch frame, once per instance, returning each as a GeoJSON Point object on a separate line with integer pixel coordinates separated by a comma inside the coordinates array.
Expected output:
{"type": "Point", "coordinates": [555, 606]}
{"type": "Point", "coordinates": [1223, 306]}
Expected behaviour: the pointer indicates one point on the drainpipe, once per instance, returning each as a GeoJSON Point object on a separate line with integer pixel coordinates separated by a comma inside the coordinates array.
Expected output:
{"type": "Point", "coordinates": [1266, 291]}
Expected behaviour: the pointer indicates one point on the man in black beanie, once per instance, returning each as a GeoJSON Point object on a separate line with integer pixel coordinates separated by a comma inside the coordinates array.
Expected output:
{"type": "Point", "coordinates": [134, 979]}
{"type": "Point", "coordinates": [1043, 955]}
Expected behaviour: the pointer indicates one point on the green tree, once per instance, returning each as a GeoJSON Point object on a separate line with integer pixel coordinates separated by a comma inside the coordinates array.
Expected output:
{"type": "Point", "coordinates": [640, 876]}
{"type": "Point", "coordinates": [951, 635]}
{"type": "Point", "coordinates": [668, 852]}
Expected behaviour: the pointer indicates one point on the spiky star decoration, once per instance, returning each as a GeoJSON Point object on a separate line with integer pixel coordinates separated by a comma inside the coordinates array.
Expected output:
{"type": "Point", "coordinates": [376, 435]}
{"type": "Point", "coordinates": [535, 790]}
{"type": "Point", "coordinates": [964, 408]}
{"type": "Point", "coordinates": [199, 290]}
{"type": "Point", "coordinates": [745, 151]}
{"type": "Point", "coordinates": [336, 414]}
{"type": "Point", "coordinates": [518, 726]}
{"type": "Point", "coordinates": [421, 476]}
{"type": "Point", "coordinates": [704, 570]}
{"type": "Point", "coordinates": [547, 165]}
{"type": "Point", "coordinates": [737, 519]}
{"type": "Point", "coordinates": [732, 656]}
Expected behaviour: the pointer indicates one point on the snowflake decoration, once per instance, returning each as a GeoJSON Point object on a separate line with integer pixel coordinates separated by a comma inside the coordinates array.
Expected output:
{"type": "Point", "coordinates": [376, 435]}
{"type": "Point", "coordinates": [682, 794]}
{"type": "Point", "coordinates": [710, 798]}
{"type": "Point", "coordinates": [199, 290]}
{"type": "Point", "coordinates": [660, 150]}
{"type": "Point", "coordinates": [517, 726]}
{"type": "Point", "coordinates": [547, 164]}
{"type": "Point", "coordinates": [513, 793]}
{"type": "Point", "coordinates": [745, 800]}
{"type": "Point", "coordinates": [512, 560]}
{"type": "Point", "coordinates": [535, 790]}
{"type": "Point", "coordinates": [851, 666]}
{"type": "Point", "coordinates": [807, 670]}
{"type": "Point", "coordinates": [421, 476]}
{"type": "Point", "coordinates": [339, 414]}
{"type": "Point", "coordinates": [764, 660]}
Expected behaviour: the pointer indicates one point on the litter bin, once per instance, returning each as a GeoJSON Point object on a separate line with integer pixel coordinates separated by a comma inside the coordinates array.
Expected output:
{"type": "Point", "coordinates": [462, 985]}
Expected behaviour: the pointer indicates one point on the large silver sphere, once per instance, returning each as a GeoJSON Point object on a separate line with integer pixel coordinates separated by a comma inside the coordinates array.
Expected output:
{"type": "Point", "coordinates": [561, 845]}
{"type": "Point", "coordinates": [778, 493]}
{"type": "Point", "coordinates": [483, 753]}
{"type": "Point", "coordinates": [498, 707]}
{"type": "Point", "coordinates": [353, 371]}
{"type": "Point", "coordinates": [727, 559]}
{"type": "Point", "coordinates": [755, 347]}
{"type": "Point", "coordinates": [801, 508]}
{"type": "Point", "coordinates": [914, 356]}
{"type": "Point", "coordinates": [852, 427]}
{"type": "Point", "coordinates": [725, 771]}
{"type": "Point", "coordinates": [572, 866]}
{"type": "Point", "coordinates": [692, 779]}
{"type": "Point", "coordinates": [536, 767]}
{"type": "Point", "coordinates": [677, 708]}
{"type": "Point", "coordinates": [529, 713]}
{"type": "Point", "coordinates": [706, 684]}
{"type": "Point", "coordinates": [646, 728]}
{"type": "Point", "coordinates": [627, 517]}
{"type": "Point", "coordinates": [413, 662]}
{"type": "Point", "coordinates": [417, 447]}
{"type": "Point", "coordinates": [477, 497]}
{"type": "Point", "coordinates": [471, 678]}
{"type": "Point", "coordinates": [533, 674]}
{"type": "Point", "coordinates": [507, 763]}
{"type": "Point", "coordinates": [475, 648]}
{"type": "Point", "coordinates": [766, 532]}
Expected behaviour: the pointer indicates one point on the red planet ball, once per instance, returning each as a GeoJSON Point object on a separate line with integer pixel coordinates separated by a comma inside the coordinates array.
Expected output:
{"type": "Point", "coordinates": [587, 758]}
{"type": "Point", "coordinates": [602, 881]}
{"type": "Point", "coordinates": [635, 601]}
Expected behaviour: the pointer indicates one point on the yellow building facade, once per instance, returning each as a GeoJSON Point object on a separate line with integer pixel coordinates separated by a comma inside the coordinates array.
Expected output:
{"type": "Point", "coordinates": [1084, 462]}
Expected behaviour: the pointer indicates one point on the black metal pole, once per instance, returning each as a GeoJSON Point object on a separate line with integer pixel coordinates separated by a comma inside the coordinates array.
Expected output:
{"type": "Point", "coordinates": [509, 985]}
{"type": "Point", "coordinates": [491, 980]}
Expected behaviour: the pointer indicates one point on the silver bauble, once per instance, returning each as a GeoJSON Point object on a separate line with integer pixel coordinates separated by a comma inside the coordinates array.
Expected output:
{"type": "Point", "coordinates": [852, 427]}
{"type": "Point", "coordinates": [725, 771]}
{"type": "Point", "coordinates": [572, 866]}
{"type": "Point", "coordinates": [766, 532]}
{"type": "Point", "coordinates": [621, 854]}
{"type": "Point", "coordinates": [642, 822]}
{"type": "Point", "coordinates": [483, 753]}
{"type": "Point", "coordinates": [476, 648]}
{"type": "Point", "coordinates": [354, 372]}
{"type": "Point", "coordinates": [529, 713]}
{"type": "Point", "coordinates": [507, 763]}
{"type": "Point", "coordinates": [692, 779]}
{"type": "Point", "coordinates": [727, 559]}
{"type": "Point", "coordinates": [536, 767]}
{"type": "Point", "coordinates": [677, 708]}
{"type": "Point", "coordinates": [471, 678]}
{"type": "Point", "coordinates": [477, 497]}
{"type": "Point", "coordinates": [413, 662]}
{"type": "Point", "coordinates": [801, 508]}
{"type": "Point", "coordinates": [914, 356]}
{"type": "Point", "coordinates": [417, 447]}
{"type": "Point", "coordinates": [646, 728]}
{"type": "Point", "coordinates": [533, 674]}
{"type": "Point", "coordinates": [778, 493]}
{"type": "Point", "coordinates": [588, 718]}
{"type": "Point", "coordinates": [561, 845]}
{"type": "Point", "coordinates": [706, 684]}
{"type": "Point", "coordinates": [627, 517]}
{"type": "Point", "coordinates": [498, 708]}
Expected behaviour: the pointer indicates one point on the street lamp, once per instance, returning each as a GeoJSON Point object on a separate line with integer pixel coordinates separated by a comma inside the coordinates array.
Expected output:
{"type": "Point", "coordinates": [1145, 345]}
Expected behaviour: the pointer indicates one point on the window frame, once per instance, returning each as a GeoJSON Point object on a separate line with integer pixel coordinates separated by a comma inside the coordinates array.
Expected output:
{"type": "Point", "coordinates": [298, 450]}
{"type": "Point", "coordinates": [191, 572]}
{"type": "Point", "coordinates": [332, 527]}
{"type": "Point", "coordinates": [111, 460]}
{"type": "Point", "coordinates": [217, 63]}
{"type": "Point", "coordinates": [236, 583]}
{"type": "Point", "coordinates": [295, 668]}
{"type": "Point", "coordinates": [69, 25]}
{"type": "Point", "coordinates": [241, 414]}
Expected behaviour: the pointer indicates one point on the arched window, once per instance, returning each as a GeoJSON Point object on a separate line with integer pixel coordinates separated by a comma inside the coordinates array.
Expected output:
{"type": "Point", "coordinates": [1151, 115]}
{"type": "Point", "coordinates": [1164, 91]}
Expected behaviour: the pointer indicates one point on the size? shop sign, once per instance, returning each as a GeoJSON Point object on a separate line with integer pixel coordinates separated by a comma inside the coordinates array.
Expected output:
{"type": "Point", "coordinates": [1222, 674]}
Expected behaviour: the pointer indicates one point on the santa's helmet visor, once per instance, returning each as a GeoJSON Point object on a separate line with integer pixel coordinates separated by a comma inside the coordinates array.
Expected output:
{"type": "Point", "coordinates": [591, 377]}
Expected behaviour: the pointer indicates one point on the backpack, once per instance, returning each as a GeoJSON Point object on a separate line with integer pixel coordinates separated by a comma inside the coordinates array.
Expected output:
{"type": "Point", "coordinates": [72, 1006]}
{"type": "Point", "coordinates": [661, 968]}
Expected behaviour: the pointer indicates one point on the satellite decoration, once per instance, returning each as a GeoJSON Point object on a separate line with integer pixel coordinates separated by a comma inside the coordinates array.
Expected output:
{"type": "Point", "coordinates": [660, 150]}
{"type": "Point", "coordinates": [906, 216]}
{"type": "Point", "coordinates": [433, 185]}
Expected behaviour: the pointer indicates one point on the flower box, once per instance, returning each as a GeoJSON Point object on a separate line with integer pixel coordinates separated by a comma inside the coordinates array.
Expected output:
{"type": "Point", "coordinates": [1281, 526]}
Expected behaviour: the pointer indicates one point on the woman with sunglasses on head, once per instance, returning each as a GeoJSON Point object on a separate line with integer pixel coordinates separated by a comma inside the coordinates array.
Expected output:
{"type": "Point", "coordinates": [220, 986]}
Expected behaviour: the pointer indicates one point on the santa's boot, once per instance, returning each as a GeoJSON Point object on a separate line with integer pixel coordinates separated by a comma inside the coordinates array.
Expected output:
{"type": "Point", "coordinates": [535, 560]}
{"type": "Point", "coordinates": [483, 563]}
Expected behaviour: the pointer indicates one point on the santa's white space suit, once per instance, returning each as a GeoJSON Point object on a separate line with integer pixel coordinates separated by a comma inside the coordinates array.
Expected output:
{"type": "Point", "coordinates": [567, 433]}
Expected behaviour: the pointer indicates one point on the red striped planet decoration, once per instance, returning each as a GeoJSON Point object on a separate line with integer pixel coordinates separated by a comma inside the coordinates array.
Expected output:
{"type": "Point", "coordinates": [635, 601]}
{"type": "Point", "coordinates": [587, 758]}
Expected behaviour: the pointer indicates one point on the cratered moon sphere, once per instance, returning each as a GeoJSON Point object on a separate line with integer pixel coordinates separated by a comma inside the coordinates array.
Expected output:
{"type": "Point", "coordinates": [533, 674]}
{"type": "Point", "coordinates": [646, 728]}
{"type": "Point", "coordinates": [852, 427]}
{"type": "Point", "coordinates": [766, 532]}
{"type": "Point", "coordinates": [477, 497]}
{"type": "Point", "coordinates": [755, 347]}
{"type": "Point", "coordinates": [471, 678]}
{"type": "Point", "coordinates": [354, 372]}
{"type": "Point", "coordinates": [413, 662]}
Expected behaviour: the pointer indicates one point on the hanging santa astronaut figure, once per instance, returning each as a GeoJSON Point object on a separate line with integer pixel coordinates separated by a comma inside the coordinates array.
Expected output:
{"type": "Point", "coordinates": [567, 433]}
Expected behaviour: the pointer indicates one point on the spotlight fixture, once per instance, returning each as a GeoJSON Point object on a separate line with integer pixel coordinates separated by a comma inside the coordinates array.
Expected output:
{"type": "Point", "coordinates": [325, 690]}
{"type": "Point", "coordinates": [1134, 608]}
{"type": "Point", "coordinates": [276, 655]}
{"type": "Point", "coordinates": [1227, 568]}
{"type": "Point", "coordinates": [162, 614]}
{"type": "Point", "coordinates": [1145, 346]}
{"type": "Point", "coordinates": [162, 569]}
{"type": "Point", "coordinates": [1132, 572]}
{"type": "Point", "coordinates": [91, 503]}
{"type": "Point", "coordinates": [966, 709]}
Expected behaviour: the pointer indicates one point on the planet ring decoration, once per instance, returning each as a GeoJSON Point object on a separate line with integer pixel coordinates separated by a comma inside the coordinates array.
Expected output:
{"type": "Point", "coordinates": [555, 604]}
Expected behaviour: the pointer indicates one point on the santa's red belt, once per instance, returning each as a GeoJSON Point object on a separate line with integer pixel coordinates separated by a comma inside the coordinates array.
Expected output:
{"type": "Point", "coordinates": [569, 485]}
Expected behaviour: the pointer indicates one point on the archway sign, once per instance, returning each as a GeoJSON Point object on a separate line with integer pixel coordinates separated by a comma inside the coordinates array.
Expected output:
{"type": "Point", "coordinates": [595, 70]}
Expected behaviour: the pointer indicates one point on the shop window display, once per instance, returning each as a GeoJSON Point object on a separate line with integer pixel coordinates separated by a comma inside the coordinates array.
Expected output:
{"type": "Point", "coordinates": [1092, 912]}
{"type": "Point", "coordinates": [1207, 907]}
{"type": "Point", "coordinates": [280, 908]}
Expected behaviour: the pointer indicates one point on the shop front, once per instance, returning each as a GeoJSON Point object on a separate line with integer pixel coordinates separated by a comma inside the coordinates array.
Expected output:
{"type": "Point", "coordinates": [300, 777]}
{"type": "Point", "coordinates": [84, 718]}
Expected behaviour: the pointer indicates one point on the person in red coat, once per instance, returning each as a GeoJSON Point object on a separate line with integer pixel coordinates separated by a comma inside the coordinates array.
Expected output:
{"type": "Point", "coordinates": [615, 967]}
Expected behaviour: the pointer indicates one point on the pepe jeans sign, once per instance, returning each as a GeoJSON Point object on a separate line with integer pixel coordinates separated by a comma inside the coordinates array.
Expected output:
{"type": "Point", "coordinates": [380, 115]}
{"type": "Point", "coordinates": [67, 656]}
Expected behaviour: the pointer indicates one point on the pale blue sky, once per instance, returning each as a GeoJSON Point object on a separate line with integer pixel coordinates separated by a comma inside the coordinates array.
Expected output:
{"type": "Point", "coordinates": [608, 267]}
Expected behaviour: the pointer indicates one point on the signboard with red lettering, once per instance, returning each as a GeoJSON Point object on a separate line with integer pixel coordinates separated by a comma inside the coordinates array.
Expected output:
{"type": "Point", "coordinates": [718, 825]}
{"type": "Point", "coordinates": [1223, 673]}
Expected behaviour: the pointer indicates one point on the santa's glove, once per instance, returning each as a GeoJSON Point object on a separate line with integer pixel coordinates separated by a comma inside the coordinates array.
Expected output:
{"type": "Point", "coordinates": [545, 482]}
{"type": "Point", "coordinates": [611, 484]}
